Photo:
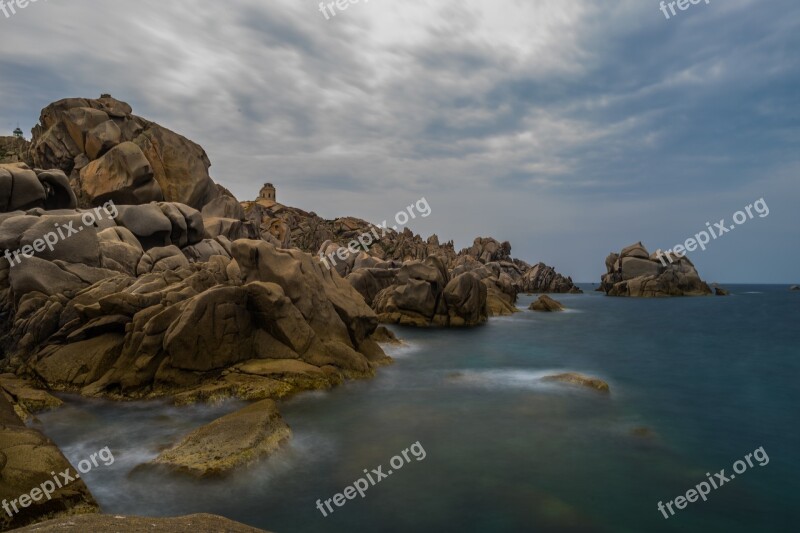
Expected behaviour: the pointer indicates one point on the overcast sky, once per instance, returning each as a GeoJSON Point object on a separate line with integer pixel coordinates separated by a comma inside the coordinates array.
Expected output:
{"type": "Point", "coordinates": [569, 128]}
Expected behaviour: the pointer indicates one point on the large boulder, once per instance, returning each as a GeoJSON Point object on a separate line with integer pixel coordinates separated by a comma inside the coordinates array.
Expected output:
{"type": "Point", "coordinates": [546, 304]}
{"type": "Point", "coordinates": [123, 175]}
{"type": "Point", "coordinates": [20, 188]}
{"type": "Point", "coordinates": [107, 152]}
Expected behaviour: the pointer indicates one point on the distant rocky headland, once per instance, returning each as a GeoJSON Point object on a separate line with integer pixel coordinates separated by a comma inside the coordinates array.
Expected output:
{"type": "Point", "coordinates": [184, 292]}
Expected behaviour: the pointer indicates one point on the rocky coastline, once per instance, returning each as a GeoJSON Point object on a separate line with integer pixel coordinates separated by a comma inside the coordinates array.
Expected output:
{"type": "Point", "coordinates": [181, 291]}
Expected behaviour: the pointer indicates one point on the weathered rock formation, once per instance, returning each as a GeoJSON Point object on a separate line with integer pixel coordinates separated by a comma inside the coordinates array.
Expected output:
{"type": "Point", "coordinates": [148, 306]}
{"type": "Point", "coordinates": [13, 150]}
{"type": "Point", "coordinates": [22, 188]}
{"type": "Point", "coordinates": [229, 442]}
{"type": "Point", "coordinates": [542, 278]}
{"type": "Point", "coordinates": [110, 154]}
{"type": "Point", "coordinates": [546, 304]}
{"type": "Point", "coordinates": [635, 272]}
{"type": "Point", "coordinates": [27, 460]}
{"type": "Point", "coordinates": [422, 293]}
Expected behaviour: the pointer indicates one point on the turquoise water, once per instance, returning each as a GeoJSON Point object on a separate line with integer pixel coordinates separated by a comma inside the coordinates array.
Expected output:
{"type": "Point", "coordinates": [711, 379]}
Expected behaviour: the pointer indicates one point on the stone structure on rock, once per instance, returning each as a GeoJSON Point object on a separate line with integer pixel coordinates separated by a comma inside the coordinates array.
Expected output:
{"type": "Point", "coordinates": [635, 272]}
{"type": "Point", "coordinates": [267, 192]}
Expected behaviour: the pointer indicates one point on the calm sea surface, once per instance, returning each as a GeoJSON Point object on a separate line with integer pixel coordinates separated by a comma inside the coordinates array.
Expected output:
{"type": "Point", "coordinates": [696, 384]}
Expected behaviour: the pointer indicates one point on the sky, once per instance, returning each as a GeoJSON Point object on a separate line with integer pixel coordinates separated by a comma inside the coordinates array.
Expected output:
{"type": "Point", "coordinates": [570, 128]}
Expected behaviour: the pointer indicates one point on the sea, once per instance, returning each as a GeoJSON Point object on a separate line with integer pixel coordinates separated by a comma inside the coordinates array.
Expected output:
{"type": "Point", "coordinates": [696, 384]}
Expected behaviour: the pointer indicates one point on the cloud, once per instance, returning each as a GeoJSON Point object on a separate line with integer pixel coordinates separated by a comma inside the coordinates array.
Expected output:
{"type": "Point", "coordinates": [586, 125]}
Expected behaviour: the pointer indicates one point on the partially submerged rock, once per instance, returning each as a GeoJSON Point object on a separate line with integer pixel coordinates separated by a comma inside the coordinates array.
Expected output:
{"type": "Point", "coordinates": [634, 272]}
{"type": "Point", "coordinates": [546, 304]}
{"type": "Point", "coordinates": [229, 442]}
{"type": "Point", "coordinates": [384, 335]}
{"type": "Point", "coordinates": [573, 378]}
{"type": "Point", "coordinates": [196, 523]}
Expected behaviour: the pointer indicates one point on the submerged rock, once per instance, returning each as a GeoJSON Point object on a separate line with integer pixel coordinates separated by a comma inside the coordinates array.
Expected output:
{"type": "Point", "coordinates": [229, 442]}
{"type": "Point", "coordinates": [574, 378]}
{"type": "Point", "coordinates": [546, 304]}
{"type": "Point", "coordinates": [196, 523]}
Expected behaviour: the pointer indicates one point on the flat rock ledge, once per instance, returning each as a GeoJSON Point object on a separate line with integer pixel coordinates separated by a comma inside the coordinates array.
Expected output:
{"type": "Point", "coordinates": [135, 524]}
{"type": "Point", "coordinates": [573, 378]}
{"type": "Point", "coordinates": [229, 442]}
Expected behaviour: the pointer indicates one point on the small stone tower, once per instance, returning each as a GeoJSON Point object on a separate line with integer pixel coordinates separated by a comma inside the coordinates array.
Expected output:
{"type": "Point", "coordinates": [267, 192]}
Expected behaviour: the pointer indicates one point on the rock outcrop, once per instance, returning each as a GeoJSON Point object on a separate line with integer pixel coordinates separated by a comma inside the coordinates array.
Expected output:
{"type": "Point", "coordinates": [27, 461]}
{"type": "Point", "coordinates": [635, 272]}
{"type": "Point", "coordinates": [109, 153]}
{"type": "Point", "coordinates": [229, 442]}
{"type": "Point", "coordinates": [543, 279]}
{"type": "Point", "coordinates": [22, 188]}
{"type": "Point", "coordinates": [147, 306]}
{"type": "Point", "coordinates": [546, 304]}
{"type": "Point", "coordinates": [13, 150]}
{"type": "Point", "coordinates": [422, 294]}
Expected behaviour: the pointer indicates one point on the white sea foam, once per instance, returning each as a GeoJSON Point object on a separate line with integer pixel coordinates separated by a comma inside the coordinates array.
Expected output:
{"type": "Point", "coordinates": [502, 378]}
{"type": "Point", "coordinates": [401, 351]}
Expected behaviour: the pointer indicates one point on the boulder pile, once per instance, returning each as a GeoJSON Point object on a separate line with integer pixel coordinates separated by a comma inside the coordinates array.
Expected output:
{"type": "Point", "coordinates": [635, 272]}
